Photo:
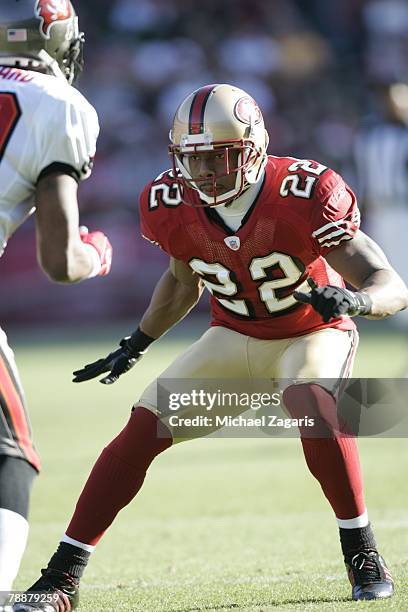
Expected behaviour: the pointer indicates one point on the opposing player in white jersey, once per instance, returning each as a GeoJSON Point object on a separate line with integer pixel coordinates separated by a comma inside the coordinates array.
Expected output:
{"type": "Point", "coordinates": [48, 134]}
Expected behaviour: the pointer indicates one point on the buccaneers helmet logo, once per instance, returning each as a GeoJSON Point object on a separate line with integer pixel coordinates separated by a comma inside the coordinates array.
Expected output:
{"type": "Point", "coordinates": [50, 12]}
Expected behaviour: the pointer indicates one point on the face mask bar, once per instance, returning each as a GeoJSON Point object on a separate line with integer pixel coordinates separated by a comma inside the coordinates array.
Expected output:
{"type": "Point", "coordinates": [74, 59]}
{"type": "Point", "coordinates": [248, 157]}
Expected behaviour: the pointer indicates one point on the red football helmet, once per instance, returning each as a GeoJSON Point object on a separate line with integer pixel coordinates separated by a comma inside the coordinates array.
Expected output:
{"type": "Point", "coordinates": [220, 119]}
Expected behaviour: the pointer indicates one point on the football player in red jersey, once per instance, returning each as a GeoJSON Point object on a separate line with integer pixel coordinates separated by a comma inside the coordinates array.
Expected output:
{"type": "Point", "coordinates": [272, 240]}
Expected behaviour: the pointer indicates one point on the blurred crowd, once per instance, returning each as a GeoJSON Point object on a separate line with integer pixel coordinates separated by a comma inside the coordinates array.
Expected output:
{"type": "Point", "coordinates": [311, 65]}
{"type": "Point", "coordinates": [317, 68]}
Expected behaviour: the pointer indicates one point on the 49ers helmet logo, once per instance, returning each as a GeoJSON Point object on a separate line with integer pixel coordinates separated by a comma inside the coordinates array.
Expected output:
{"type": "Point", "coordinates": [247, 111]}
{"type": "Point", "coordinates": [50, 12]}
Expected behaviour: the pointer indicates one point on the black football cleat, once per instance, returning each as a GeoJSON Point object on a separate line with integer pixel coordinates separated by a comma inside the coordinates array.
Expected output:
{"type": "Point", "coordinates": [369, 576]}
{"type": "Point", "coordinates": [55, 591]}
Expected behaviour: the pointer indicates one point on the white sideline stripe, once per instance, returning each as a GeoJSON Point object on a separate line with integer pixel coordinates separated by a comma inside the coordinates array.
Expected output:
{"type": "Point", "coordinates": [336, 242]}
{"type": "Point", "coordinates": [354, 523]}
{"type": "Point", "coordinates": [69, 540]}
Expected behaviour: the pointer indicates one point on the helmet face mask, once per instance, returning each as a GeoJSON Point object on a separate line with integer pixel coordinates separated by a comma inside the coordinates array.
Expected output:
{"type": "Point", "coordinates": [218, 145]}
{"type": "Point", "coordinates": [42, 35]}
{"type": "Point", "coordinates": [218, 174]}
{"type": "Point", "coordinates": [73, 60]}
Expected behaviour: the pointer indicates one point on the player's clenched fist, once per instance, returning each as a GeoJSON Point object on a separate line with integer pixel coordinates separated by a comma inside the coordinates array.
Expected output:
{"type": "Point", "coordinates": [100, 250]}
{"type": "Point", "coordinates": [331, 302]}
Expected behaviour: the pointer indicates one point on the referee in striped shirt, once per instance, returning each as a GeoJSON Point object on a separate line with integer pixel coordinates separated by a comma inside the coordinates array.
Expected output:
{"type": "Point", "coordinates": [381, 162]}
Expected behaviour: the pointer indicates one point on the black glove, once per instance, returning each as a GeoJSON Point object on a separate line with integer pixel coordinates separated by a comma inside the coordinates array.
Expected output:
{"type": "Point", "coordinates": [332, 301]}
{"type": "Point", "coordinates": [132, 348]}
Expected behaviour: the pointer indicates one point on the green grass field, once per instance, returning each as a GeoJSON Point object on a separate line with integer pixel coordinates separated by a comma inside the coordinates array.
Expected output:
{"type": "Point", "coordinates": [220, 524]}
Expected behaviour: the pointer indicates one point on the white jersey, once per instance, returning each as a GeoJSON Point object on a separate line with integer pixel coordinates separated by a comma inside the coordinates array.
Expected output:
{"type": "Point", "coordinates": [43, 121]}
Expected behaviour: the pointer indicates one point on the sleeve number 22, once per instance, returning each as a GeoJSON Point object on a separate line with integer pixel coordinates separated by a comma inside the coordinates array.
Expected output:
{"type": "Point", "coordinates": [298, 185]}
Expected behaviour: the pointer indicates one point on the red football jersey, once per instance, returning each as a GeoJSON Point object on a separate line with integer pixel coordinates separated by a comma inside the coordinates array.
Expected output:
{"type": "Point", "coordinates": [302, 211]}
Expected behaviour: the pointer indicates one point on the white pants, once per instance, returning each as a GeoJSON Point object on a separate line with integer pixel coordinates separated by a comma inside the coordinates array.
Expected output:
{"type": "Point", "coordinates": [325, 356]}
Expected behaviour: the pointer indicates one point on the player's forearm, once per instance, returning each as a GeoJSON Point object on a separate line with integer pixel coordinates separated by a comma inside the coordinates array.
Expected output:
{"type": "Point", "coordinates": [70, 265]}
{"type": "Point", "coordinates": [171, 301]}
{"type": "Point", "coordinates": [387, 291]}
{"type": "Point", "coordinates": [67, 253]}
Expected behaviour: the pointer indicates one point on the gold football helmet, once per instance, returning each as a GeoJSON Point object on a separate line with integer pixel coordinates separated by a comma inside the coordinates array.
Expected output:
{"type": "Point", "coordinates": [225, 120]}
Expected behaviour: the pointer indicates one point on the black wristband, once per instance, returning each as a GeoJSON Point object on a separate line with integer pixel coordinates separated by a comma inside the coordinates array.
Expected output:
{"type": "Point", "coordinates": [139, 341]}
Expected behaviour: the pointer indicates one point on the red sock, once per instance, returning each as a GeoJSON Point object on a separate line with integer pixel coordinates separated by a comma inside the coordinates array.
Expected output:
{"type": "Point", "coordinates": [118, 475]}
{"type": "Point", "coordinates": [333, 458]}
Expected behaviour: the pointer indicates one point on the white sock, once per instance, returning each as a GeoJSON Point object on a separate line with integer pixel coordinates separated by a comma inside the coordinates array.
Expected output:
{"type": "Point", "coordinates": [354, 523]}
{"type": "Point", "coordinates": [13, 539]}
{"type": "Point", "coordinates": [88, 547]}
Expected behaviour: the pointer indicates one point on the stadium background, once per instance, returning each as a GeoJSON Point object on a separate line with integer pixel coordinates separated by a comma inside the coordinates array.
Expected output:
{"type": "Point", "coordinates": [310, 65]}
{"type": "Point", "coordinates": [220, 524]}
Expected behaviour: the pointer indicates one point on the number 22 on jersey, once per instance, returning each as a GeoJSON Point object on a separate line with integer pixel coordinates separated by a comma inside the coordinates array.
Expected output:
{"type": "Point", "coordinates": [219, 280]}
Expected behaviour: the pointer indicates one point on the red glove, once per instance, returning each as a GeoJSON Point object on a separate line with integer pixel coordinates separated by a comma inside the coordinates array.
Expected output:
{"type": "Point", "coordinates": [100, 249]}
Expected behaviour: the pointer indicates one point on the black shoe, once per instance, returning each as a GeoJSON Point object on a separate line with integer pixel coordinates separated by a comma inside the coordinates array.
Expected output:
{"type": "Point", "coordinates": [55, 591]}
{"type": "Point", "coordinates": [369, 576]}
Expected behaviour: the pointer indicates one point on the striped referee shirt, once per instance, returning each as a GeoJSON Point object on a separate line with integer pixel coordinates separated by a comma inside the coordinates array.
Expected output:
{"type": "Point", "coordinates": [381, 159]}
